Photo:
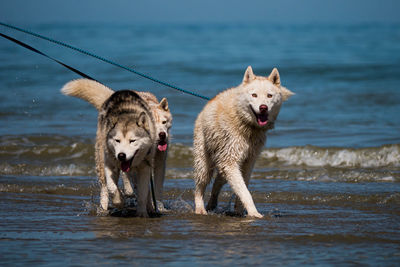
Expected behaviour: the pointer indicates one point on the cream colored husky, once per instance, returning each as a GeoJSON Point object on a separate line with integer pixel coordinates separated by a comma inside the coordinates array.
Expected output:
{"type": "Point", "coordinates": [96, 94]}
{"type": "Point", "coordinates": [230, 133]}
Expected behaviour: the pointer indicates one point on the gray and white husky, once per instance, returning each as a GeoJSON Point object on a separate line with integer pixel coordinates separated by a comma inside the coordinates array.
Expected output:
{"type": "Point", "coordinates": [125, 142]}
{"type": "Point", "coordinates": [96, 94]}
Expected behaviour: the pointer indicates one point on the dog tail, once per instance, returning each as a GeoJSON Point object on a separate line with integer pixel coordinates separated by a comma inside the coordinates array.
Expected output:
{"type": "Point", "coordinates": [93, 92]}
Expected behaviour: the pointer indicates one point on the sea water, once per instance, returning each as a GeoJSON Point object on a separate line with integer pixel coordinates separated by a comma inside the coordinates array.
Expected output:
{"type": "Point", "coordinates": [327, 181]}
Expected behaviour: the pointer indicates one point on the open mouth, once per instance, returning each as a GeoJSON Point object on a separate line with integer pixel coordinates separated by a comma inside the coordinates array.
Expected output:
{"type": "Point", "coordinates": [262, 117]}
{"type": "Point", "coordinates": [162, 145]}
{"type": "Point", "coordinates": [126, 164]}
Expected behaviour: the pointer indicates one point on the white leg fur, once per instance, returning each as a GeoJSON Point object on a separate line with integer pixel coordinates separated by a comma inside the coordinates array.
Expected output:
{"type": "Point", "coordinates": [127, 184]}
{"type": "Point", "coordinates": [203, 170]}
{"type": "Point", "coordinates": [104, 197]}
{"type": "Point", "coordinates": [238, 185]}
{"type": "Point", "coordinates": [247, 168]}
{"type": "Point", "coordinates": [112, 185]}
{"type": "Point", "coordinates": [203, 174]}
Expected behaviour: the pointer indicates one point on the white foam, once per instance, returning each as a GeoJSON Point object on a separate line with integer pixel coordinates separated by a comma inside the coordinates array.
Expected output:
{"type": "Point", "coordinates": [388, 155]}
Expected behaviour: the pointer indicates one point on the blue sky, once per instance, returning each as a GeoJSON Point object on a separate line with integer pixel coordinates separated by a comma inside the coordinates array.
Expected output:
{"type": "Point", "coordinates": [278, 11]}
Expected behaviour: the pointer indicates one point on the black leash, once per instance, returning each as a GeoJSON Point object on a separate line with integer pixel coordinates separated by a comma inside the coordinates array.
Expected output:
{"type": "Point", "coordinates": [152, 191]}
{"type": "Point", "coordinates": [43, 54]}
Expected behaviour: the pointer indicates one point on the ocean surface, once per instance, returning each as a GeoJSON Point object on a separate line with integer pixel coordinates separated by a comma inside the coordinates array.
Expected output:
{"type": "Point", "coordinates": [327, 181]}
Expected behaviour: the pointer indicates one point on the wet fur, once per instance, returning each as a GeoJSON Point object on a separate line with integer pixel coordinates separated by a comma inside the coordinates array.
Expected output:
{"type": "Point", "coordinates": [121, 112]}
{"type": "Point", "coordinates": [228, 138]}
{"type": "Point", "coordinates": [96, 94]}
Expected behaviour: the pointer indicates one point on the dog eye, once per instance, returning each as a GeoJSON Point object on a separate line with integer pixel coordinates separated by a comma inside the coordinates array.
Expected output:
{"type": "Point", "coordinates": [254, 95]}
{"type": "Point", "coordinates": [269, 96]}
{"type": "Point", "coordinates": [117, 140]}
{"type": "Point", "coordinates": [164, 122]}
{"type": "Point", "coordinates": [131, 141]}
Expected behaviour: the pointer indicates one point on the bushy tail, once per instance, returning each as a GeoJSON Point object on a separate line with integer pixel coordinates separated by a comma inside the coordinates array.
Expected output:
{"type": "Point", "coordinates": [93, 92]}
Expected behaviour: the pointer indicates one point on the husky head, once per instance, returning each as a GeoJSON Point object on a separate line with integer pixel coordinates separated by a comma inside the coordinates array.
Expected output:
{"type": "Point", "coordinates": [130, 141]}
{"type": "Point", "coordinates": [163, 121]}
{"type": "Point", "coordinates": [262, 98]}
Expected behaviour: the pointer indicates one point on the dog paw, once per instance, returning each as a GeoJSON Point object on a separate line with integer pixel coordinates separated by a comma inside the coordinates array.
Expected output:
{"type": "Point", "coordinates": [142, 214]}
{"type": "Point", "coordinates": [118, 202]}
{"type": "Point", "coordinates": [129, 193]}
{"type": "Point", "coordinates": [200, 211]}
{"type": "Point", "coordinates": [255, 215]}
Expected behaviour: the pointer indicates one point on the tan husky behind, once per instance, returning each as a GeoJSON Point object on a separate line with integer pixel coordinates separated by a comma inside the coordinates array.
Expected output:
{"type": "Point", "coordinates": [229, 135]}
{"type": "Point", "coordinates": [96, 94]}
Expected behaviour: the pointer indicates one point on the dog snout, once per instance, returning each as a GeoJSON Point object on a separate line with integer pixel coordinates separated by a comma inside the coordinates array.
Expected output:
{"type": "Point", "coordinates": [263, 108]}
{"type": "Point", "coordinates": [122, 156]}
{"type": "Point", "coordinates": [162, 135]}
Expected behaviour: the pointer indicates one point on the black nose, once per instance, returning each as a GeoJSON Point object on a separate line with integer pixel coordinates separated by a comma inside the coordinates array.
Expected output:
{"type": "Point", "coordinates": [263, 108]}
{"type": "Point", "coordinates": [122, 156]}
{"type": "Point", "coordinates": [162, 135]}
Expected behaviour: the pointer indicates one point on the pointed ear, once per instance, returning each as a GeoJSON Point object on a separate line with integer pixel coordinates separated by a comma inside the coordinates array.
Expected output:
{"type": "Point", "coordinates": [142, 121]}
{"type": "Point", "coordinates": [286, 93]}
{"type": "Point", "coordinates": [274, 77]}
{"type": "Point", "coordinates": [248, 75]}
{"type": "Point", "coordinates": [164, 104]}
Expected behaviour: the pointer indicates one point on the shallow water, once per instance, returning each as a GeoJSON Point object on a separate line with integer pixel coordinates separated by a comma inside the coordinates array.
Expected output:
{"type": "Point", "coordinates": [328, 180]}
{"type": "Point", "coordinates": [54, 222]}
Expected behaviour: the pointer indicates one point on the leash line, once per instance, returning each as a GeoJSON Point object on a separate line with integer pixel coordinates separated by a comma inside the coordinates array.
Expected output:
{"type": "Point", "coordinates": [103, 59]}
{"type": "Point", "coordinates": [45, 55]}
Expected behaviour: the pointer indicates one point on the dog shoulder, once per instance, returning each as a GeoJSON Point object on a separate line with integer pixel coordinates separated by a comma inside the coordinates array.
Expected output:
{"type": "Point", "coordinates": [124, 100]}
{"type": "Point", "coordinates": [148, 97]}
{"type": "Point", "coordinates": [221, 105]}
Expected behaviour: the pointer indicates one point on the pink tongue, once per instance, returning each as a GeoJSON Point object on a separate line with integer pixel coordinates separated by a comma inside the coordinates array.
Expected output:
{"type": "Point", "coordinates": [125, 166]}
{"type": "Point", "coordinates": [162, 147]}
{"type": "Point", "coordinates": [262, 123]}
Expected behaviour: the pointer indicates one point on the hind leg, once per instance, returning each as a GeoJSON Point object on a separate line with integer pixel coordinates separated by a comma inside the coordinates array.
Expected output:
{"type": "Point", "coordinates": [202, 171]}
{"type": "Point", "coordinates": [202, 179]}
{"type": "Point", "coordinates": [202, 175]}
{"type": "Point", "coordinates": [217, 186]}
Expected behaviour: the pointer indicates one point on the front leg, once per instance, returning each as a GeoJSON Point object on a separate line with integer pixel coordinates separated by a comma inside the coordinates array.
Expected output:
{"type": "Point", "coordinates": [99, 156]}
{"type": "Point", "coordinates": [247, 168]}
{"type": "Point", "coordinates": [112, 176]}
{"type": "Point", "coordinates": [159, 173]}
{"type": "Point", "coordinates": [236, 181]}
{"type": "Point", "coordinates": [128, 190]}
{"type": "Point", "coordinates": [142, 182]}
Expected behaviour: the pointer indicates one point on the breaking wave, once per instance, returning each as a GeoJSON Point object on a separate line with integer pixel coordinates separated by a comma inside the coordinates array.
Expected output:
{"type": "Point", "coordinates": [74, 156]}
{"type": "Point", "coordinates": [372, 157]}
